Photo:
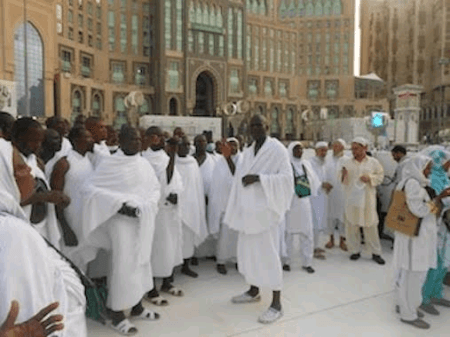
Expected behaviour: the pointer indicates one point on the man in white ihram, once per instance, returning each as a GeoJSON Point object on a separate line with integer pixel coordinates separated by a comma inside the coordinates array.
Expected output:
{"type": "Point", "coordinates": [259, 198]}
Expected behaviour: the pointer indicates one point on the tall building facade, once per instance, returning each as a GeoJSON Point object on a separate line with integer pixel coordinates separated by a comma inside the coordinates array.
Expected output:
{"type": "Point", "coordinates": [188, 58]}
{"type": "Point", "coordinates": [403, 42]}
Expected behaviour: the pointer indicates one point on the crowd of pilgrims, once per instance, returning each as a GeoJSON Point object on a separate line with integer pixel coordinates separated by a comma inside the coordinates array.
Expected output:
{"type": "Point", "coordinates": [129, 207]}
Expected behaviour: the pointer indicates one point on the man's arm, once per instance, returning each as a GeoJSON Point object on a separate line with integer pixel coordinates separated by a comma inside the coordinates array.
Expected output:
{"type": "Point", "coordinates": [57, 183]}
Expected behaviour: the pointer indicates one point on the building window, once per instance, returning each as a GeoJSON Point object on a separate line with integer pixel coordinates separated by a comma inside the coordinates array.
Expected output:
{"type": "Point", "coordinates": [66, 60]}
{"type": "Point", "coordinates": [313, 88]}
{"type": "Point", "coordinates": [256, 43]}
{"type": "Point", "coordinates": [146, 31]}
{"type": "Point", "coordinates": [90, 8]}
{"type": "Point", "coordinates": [123, 33]}
{"type": "Point", "coordinates": [211, 44]}
{"type": "Point", "coordinates": [234, 81]}
{"type": "Point", "coordinates": [121, 114]}
{"type": "Point", "coordinates": [99, 12]}
{"type": "Point", "coordinates": [190, 41]}
{"type": "Point", "coordinates": [168, 23]}
{"type": "Point", "coordinates": [274, 123]}
{"type": "Point", "coordinates": [253, 87]}
{"type": "Point", "coordinates": [264, 50]}
{"type": "Point", "coordinates": [111, 31]}
{"type": "Point", "coordinates": [179, 9]}
{"type": "Point", "coordinates": [239, 34]}
{"type": "Point", "coordinates": [201, 43]}
{"type": "Point", "coordinates": [174, 76]}
{"type": "Point", "coordinates": [80, 21]}
{"type": "Point", "coordinates": [99, 43]}
{"type": "Point", "coordinates": [221, 46]}
{"type": "Point", "coordinates": [90, 24]}
{"type": "Point", "coordinates": [118, 72]}
{"type": "Point", "coordinates": [290, 123]}
{"type": "Point", "coordinates": [230, 33]}
{"type": "Point", "coordinates": [249, 46]}
{"type": "Point", "coordinates": [96, 105]}
{"type": "Point", "coordinates": [70, 16]}
{"type": "Point", "coordinates": [332, 89]}
{"type": "Point", "coordinates": [268, 88]}
{"type": "Point", "coordinates": [141, 74]}
{"type": "Point", "coordinates": [337, 7]}
{"type": "Point", "coordinates": [70, 2]}
{"type": "Point", "coordinates": [134, 34]}
{"type": "Point", "coordinates": [80, 37]}
{"type": "Point", "coordinates": [86, 65]}
{"type": "Point", "coordinates": [77, 104]}
{"type": "Point", "coordinates": [282, 89]}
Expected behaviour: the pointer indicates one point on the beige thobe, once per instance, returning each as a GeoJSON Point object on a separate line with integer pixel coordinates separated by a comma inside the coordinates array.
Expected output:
{"type": "Point", "coordinates": [361, 202]}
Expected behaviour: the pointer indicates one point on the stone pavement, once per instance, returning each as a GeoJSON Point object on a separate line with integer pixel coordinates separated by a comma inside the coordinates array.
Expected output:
{"type": "Point", "coordinates": [343, 298]}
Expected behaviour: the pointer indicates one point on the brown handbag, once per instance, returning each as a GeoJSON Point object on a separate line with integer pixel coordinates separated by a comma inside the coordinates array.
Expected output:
{"type": "Point", "coordinates": [400, 218]}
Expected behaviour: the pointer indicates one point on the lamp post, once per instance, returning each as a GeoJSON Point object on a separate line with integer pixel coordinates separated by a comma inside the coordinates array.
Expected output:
{"type": "Point", "coordinates": [442, 63]}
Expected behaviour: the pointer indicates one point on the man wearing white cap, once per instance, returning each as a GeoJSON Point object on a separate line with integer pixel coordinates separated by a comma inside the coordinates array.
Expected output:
{"type": "Point", "coordinates": [336, 197]}
{"type": "Point", "coordinates": [319, 203]}
{"type": "Point", "coordinates": [360, 175]}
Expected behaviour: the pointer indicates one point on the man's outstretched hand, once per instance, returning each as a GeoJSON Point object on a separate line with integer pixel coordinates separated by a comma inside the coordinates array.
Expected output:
{"type": "Point", "coordinates": [36, 326]}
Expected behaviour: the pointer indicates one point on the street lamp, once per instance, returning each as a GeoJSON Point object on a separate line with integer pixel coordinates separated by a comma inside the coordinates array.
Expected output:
{"type": "Point", "coordinates": [442, 62]}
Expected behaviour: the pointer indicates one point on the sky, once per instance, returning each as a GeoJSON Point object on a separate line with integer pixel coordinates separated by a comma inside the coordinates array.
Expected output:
{"type": "Point", "coordinates": [356, 63]}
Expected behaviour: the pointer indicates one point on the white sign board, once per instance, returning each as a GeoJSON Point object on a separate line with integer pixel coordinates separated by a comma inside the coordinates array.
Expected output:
{"type": "Point", "coordinates": [191, 126]}
{"type": "Point", "coordinates": [8, 100]}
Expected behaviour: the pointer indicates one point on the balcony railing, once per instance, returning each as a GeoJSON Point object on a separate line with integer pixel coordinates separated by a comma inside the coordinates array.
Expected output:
{"type": "Point", "coordinates": [66, 66]}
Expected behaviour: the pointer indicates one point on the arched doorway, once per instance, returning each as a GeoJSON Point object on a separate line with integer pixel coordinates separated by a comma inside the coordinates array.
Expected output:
{"type": "Point", "coordinates": [204, 96]}
{"type": "Point", "coordinates": [173, 107]}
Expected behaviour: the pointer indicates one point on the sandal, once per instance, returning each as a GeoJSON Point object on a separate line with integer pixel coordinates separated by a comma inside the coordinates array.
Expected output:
{"type": "Point", "coordinates": [174, 291]}
{"type": "Point", "coordinates": [147, 315]}
{"type": "Point", "coordinates": [158, 301]}
{"type": "Point", "coordinates": [125, 328]}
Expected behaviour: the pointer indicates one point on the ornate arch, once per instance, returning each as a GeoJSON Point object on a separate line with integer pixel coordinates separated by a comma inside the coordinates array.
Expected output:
{"type": "Point", "coordinates": [216, 78]}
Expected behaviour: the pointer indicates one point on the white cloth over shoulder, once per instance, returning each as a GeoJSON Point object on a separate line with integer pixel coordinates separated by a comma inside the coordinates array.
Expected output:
{"type": "Point", "coordinates": [222, 180]}
{"type": "Point", "coordinates": [167, 243]}
{"type": "Point", "coordinates": [319, 202]}
{"type": "Point", "coordinates": [79, 172]}
{"type": "Point", "coordinates": [117, 180]}
{"type": "Point", "coordinates": [207, 168]}
{"type": "Point", "coordinates": [336, 198]}
{"type": "Point", "coordinates": [66, 147]}
{"type": "Point", "coordinates": [36, 276]}
{"type": "Point", "coordinates": [256, 208]}
{"type": "Point", "coordinates": [299, 218]}
{"type": "Point", "coordinates": [49, 227]}
{"type": "Point", "coordinates": [100, 151]}
{"type": "Point", "coordinates": [192, 199]}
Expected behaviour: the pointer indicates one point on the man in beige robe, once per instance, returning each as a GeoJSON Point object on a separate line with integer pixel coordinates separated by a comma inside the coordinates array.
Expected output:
{"type": "Point", "coordinates": [360, 175]}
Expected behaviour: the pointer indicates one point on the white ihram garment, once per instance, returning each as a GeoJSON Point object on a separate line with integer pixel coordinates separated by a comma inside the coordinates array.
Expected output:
{"type": "Point", "coordinates": [80, 169]}
{"type": "Point", "coordinates": [336, 198]}
{"type": "Point", "coordinates": [256, 211]}
{"type": "Point", "coordinates": [100, 151]}
{"type": "Point", "coordinates": [208, 247]}
{"type": "Point", "coordinates": [299, 219]}
{"type": "Point", "coordinates": [167, 242]}
{"type": "Point", "coordinates": [35, 276]}
{"type": "Point", "coordinates": [192, 205]}
{"type": "Point", "coordinates": [117, 180]}
{"type": "Point", "coordinates": [48, 227]}
{"type": "Point", "coordinates": [319, 203]}
{"type": "Point", "coordinates": [218, 199]}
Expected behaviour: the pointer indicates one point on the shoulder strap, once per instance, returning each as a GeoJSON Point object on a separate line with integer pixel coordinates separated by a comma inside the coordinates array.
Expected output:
{"type": "Point", "coordinates": [83, 277]}
{"type": "Point", "coordinates": [304, 170]}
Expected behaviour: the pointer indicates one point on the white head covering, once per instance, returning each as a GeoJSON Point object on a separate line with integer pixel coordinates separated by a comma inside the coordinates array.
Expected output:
{"type": "Point", "coordinates": [291, 147]}
{"type": "Point", "coordinates": [234, 139]}
{"type": "Point", "coordinates": [9, 191]}
{"type": "Point", "coordinates": [361, 140]}
{"type": "Point", "coordinates": [414, 170]}
{"type": "Point", "coordinates": [343, 143]}
{"type": "Point", "coordinates": [320, 145]}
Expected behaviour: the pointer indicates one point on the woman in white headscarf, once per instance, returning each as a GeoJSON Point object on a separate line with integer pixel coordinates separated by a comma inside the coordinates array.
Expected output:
{"type": "Point", "coordinates": [30, 271]}
{"type": "Point", "coordinates": [413, 256]}
{"type": "Point", "coordinates": [299, 219]}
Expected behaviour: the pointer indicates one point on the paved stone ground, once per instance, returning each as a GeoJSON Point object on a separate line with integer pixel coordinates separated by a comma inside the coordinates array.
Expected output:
{"type": "Point", "coordinates": [343, 298]}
